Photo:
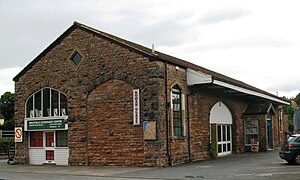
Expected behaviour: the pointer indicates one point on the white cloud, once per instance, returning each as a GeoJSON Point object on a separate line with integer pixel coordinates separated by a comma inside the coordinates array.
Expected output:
{"type": "Point", "coordinates": [253, 41]}
{"type": "Point", "coordinates": [217, 16]}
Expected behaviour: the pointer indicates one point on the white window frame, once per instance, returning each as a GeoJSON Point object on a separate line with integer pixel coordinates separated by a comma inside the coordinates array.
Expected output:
{"type": "Point", "coordinates": [182, 104]}
{"type": "Point", "coordinates": [222, 142]}
{"type": "Point", "coordinates": [42, 106]}
{"type": "Point", "coordinates": [255, 133]}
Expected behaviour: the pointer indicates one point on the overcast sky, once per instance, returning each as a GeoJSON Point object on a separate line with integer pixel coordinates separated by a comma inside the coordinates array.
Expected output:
{"type": "Point", "coordinates": [257, 42]}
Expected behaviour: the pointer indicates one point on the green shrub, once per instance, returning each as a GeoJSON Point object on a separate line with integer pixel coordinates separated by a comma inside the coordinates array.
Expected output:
{"type": "Point", "coordinates": [5, 145]}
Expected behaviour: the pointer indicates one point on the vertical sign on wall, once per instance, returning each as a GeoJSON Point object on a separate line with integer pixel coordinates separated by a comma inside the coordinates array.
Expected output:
{"type": "Point", "coordinates": [136, 107]}
{"type": "Point", "coordinates": [18, 134]}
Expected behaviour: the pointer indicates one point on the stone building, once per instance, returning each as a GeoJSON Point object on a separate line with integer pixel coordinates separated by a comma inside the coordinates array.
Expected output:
{"type": "Point", "coordinates": [91, 98]}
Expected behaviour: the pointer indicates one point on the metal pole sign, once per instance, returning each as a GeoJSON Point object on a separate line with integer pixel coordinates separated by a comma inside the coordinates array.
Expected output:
{"type": "Point", "coordinates": [136, 107]}
{"type": "Point", "coordinates": [18, 134]}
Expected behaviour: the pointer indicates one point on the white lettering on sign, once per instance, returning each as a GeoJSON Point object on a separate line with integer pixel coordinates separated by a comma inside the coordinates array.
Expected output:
{"type": "Point", "coordinates": [18, 134]}
{"type": "Point", "coordinates": [136, 107]}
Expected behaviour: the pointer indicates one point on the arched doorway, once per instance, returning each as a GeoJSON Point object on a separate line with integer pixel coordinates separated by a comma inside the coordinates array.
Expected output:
{"type": "Point", "coordinates": [221, 118]}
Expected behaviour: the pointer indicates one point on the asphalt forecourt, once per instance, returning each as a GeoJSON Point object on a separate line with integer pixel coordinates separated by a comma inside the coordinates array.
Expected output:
{"type": "Point", "coordinates": [267, 165]}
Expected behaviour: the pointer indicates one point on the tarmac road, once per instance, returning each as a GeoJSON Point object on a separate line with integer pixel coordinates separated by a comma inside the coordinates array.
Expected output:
{"type": "Point", "coordinates": [266, 165]}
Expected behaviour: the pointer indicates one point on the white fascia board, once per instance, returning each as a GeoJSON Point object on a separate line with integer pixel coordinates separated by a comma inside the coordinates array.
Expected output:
{"type": "Point", "coordinates": [195, 77]}
{"type": "Point", "coordinates": [250, 92]}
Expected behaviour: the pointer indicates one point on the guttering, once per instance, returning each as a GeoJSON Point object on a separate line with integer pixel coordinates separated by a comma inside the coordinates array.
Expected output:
{"type": "Point", "coordinates": [250, 92]}
{"type": "Point", "coordinates": [196, 77]}
{"type": "Point", "coordinates": [188, 119]}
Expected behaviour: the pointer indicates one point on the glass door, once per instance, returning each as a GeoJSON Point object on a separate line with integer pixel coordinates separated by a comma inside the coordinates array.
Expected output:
{"type": "Point", "coordinates": [224, 140]}
{"type": "Point", "coordinates": [49, 148]}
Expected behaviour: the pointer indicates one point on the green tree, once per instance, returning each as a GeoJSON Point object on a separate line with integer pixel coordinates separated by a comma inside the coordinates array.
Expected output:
{"type": "Point", "coordinates": [7, 109]}
{"type": "Point", "coordinates": [290, 111]}
{"type": "Point", "coordinates": [297, 99]}
{"type": "Point", "coordinates": [7, 105]}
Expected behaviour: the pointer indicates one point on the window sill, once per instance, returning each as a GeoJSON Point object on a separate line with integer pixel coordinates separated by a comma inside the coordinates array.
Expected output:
{"type": "Point", "coordinates": [179, 138]}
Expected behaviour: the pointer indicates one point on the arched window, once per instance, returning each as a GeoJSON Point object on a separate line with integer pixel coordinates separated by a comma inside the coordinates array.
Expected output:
{"type": "Point", "coordinates": [46, 102]}
{"type": "Point", "coordinates": [177, 111]}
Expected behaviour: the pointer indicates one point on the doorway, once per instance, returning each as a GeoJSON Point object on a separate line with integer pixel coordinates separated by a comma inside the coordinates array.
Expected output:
{"type": "Point", "coordinates": [221, 116]}
{"type": "Point", "coordinates": [49, 148]}
{"type": "Point", "coordinates": [270, 134]}
{"type": "Point", "coordinates": [224, 140]}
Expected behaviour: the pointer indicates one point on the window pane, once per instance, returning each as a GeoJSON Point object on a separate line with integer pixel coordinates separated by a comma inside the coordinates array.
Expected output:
{"type": "Point", "coordinates": [46, 102]}
{"type": "Point", "coordinates": [38, 104]}
{"type": "Point", "coordinates": [251, 131]}
{"type": "Point", "coordinates": [49, 139]}
{"type": "Point", "coordinates": [177, 114]}
{"type": "Point", "coordinates": [224, 148]}
{"type": "Point", "coordinates": [176, 102]}
{"type": "Point", "coordinates": [219, 134]}
{"type": "Point", "coordinates": [177, 122]}
{"type": "Point", "coordinates": [177, 131]}
{"type": "Point", "coordinates": [54, 102]}
{"type": "Point", "coordinates": [49, 155]}
{"type": "Point", "coordinates": [228, 133]}
{"type": "Point", "coordinates": [248, 139]}
{"type": "Point", "coordinates": [255, 137]}
{"type": "Point", "coordinates": [36, 139]}
{"type": "Point", "coordinates": [63, 105]}
{"type": "Point", "coordinates": [61, 138]}
{"type": "Point", "coordinates": [224, 133]}
{"type": "Point", "coordinates": [76, 58]}
{"type": "Point", "coordinates": [29, 108]}
{"type": "Point", "coordinates": [219, 148]}
{"type": "Point", "coordinates": [229, 147]}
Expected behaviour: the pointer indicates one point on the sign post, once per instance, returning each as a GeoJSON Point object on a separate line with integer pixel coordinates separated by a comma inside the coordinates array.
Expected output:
{"type": "Point", "coordinates": [18, 134]}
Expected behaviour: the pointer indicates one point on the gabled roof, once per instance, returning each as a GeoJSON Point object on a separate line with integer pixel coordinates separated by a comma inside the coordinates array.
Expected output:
{"type": "Point", "coordinates": [147, 52]}
{"type": "Point", "coordinates": [256, 109]}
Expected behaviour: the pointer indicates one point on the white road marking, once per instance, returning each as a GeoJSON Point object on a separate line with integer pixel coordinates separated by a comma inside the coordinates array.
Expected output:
{"type": "Point", "coordinates": [267, 174]}
{"type": "Point", "coordinates": [203, 166]}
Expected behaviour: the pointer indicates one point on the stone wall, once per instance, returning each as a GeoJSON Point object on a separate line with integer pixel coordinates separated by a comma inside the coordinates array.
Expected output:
{"type": "Point", "coordinates": [99, 93]}
{"type": "Point", "coordinates": [200, 103]}
{"type": "Point", "coordinates": [105, 64]}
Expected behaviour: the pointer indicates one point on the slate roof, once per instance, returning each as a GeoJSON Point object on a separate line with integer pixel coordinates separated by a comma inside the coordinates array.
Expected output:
{"type": "Point", "coordinates": [147, 52]}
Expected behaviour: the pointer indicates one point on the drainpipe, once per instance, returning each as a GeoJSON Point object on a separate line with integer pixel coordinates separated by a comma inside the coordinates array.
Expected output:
{"type": "Point", "coordinates": [188, 119]}
{"type": "Point", "coordinates": [189, 131]}
{"type": "Point", "coordinates": [167, 114]}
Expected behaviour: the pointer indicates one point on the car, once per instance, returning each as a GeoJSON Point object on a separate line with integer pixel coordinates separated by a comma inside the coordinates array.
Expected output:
{"type": "Point", "coordinates": [290, 150]}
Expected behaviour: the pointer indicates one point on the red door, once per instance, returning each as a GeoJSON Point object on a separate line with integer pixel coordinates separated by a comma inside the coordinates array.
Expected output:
{"type": "Point", "coordinates": [49, 146]}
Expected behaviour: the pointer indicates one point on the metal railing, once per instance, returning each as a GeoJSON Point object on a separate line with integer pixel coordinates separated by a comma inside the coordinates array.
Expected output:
{"type": "Point", "coordinates": [7, 134]}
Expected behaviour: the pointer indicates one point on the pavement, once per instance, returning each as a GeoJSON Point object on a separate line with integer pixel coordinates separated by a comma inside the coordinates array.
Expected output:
{"type": "Point", "coordinates": [266, 165]}
{"type": "Point", "coordinates": [98, 171]}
